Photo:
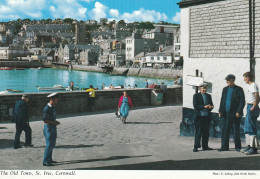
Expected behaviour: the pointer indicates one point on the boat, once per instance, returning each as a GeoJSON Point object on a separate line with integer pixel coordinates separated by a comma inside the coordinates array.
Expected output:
{"type": "Point", "coordinates": [6, 68]}
{"type": "Point", "coordinates": [54, 88]}
{"type": "Point", "coordinates": [39, 68]}
{"type": "Point", "coordinates": [4, 92]}
{"type": "Point", "coordinates": [74, 88]}
{"type": "Point", "coordinates": [15, 91]}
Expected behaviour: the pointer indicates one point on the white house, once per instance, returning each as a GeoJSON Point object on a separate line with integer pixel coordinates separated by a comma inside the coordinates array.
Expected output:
{"type": "Point", "coordinates": [216, 40]}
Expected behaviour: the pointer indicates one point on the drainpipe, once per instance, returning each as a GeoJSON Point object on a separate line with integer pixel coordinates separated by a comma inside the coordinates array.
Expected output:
{"type": "Point", "coordinates": [251, 50]}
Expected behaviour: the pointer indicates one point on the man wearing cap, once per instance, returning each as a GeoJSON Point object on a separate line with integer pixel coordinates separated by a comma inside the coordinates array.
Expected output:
{"type": "Point", "coordinates": [50, 128]}
{"type": "Point", "coordinates": [21, 119]}
{"type": "Point", "coordinates": [231, 110]}
{"type": "Point", "coordinates": [203, 106]}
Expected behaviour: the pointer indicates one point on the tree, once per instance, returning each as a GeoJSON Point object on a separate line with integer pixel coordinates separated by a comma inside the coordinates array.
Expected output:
{"type": "Point", "coordinates": [48, 21]}
{"type": "Point", "coordinates": [17, 28]}
{"type": "Point", "coordinates": [88, 35]}
{"type": "Point", "coordinates": [122, 22]}
{"type": "Point", "coordinates": [64, 42]}
{"type": "Point", "coordinates": [68, 21]}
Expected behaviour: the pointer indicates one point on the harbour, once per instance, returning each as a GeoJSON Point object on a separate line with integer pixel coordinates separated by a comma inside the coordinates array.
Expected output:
{"type": "Point", "coordinates": [30, 79]}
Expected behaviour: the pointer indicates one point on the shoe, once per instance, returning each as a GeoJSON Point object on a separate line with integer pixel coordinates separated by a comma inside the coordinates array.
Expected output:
{"type": "Point", "coordinates": [238, 150]}
{"type": "Point", "coordinates": [47, 164]}
{"type": "Point", "coordinates": [17, 147]}
{"type": "Point", "coordinates": [28, 145]}
{"type": "Point", "coordinates": [221, 150]}
{"type": "Point", "coordinates": [195, 150]}
{"type": "Point", "coordinates": [251, 151]}
{"type": "Point", "coordinates": [246, 149]}
{"type": "Point", "coordinates": [206, 148]}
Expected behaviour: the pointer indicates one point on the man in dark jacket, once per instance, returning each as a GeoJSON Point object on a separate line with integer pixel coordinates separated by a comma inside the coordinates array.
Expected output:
{"type": "Point", "coordinates": [203, 106]}
{"type": "Point", "coordinates": [21, 119]}
{"type": "Point", "coordinates": [231, 110]}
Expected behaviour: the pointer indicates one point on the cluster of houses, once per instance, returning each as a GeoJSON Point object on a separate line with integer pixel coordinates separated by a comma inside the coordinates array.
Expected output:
{"type": "Point", "coordinates": [109, 43]}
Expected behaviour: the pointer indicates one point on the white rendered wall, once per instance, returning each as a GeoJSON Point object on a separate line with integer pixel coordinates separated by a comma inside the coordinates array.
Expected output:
{"type": "Point", "coordinates": [214, 70]}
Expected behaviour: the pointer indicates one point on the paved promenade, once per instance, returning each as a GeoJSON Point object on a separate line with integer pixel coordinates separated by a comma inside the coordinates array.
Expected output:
{"type": "Point", "coordinates": [149, 140]}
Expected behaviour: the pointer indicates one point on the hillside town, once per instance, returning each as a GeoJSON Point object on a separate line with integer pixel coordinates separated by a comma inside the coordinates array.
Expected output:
{"type": "Point", "coordinates": [92, 43]}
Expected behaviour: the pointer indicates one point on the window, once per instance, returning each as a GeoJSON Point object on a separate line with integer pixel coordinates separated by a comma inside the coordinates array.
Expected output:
{"type": "Point", "coordinates": [157, 42]}
{"type": "Point", "coordinates": [164, 58]}
{"type": "Point", "coordinates": [177, 47]}
{"type": "Point", "coordinates": [145, 42]}
{"type": "Point", "coordinates": [158, 58]}
{"type": "Point", "coordinates": [152, 58]}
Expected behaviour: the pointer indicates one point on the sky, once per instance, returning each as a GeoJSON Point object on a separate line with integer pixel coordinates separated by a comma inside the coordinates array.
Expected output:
{"type": "Point", "coordinates": [128, 10]}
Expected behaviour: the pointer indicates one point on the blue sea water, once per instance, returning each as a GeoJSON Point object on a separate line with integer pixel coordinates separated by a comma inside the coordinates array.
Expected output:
{"type": "Point", "coordinates": [27, 80]}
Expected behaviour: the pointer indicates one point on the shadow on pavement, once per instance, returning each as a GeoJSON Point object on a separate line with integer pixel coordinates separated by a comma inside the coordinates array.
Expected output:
{"type": "Point", "coordinates": [240, 163]}
{"type": "Point", "coordinates": [146, 122]}
{"type": "Point", "coordinates": [7, 143]}
{"type": "Point", "coordinates": [73, 146]}
{"type": "Point", "coordinates": [3, 128]}
{"type": "Point", "coordinates": [96, 160]}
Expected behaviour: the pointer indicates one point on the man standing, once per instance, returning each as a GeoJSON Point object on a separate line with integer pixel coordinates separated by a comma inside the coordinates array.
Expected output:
{"type": "Point", "coordinates": [50, 128]}
{"type": "Point", "coordinates": [203, 106]}
{"type": "Point", "coordinates": [164, 91]}
{"type": "Point", "coordinates": [91, 99]}
{"type": "Point", "coordinates": [21, 119]}
{"type": "Point", "coordinates": [250, 128]}
{"type": "Point", "coordinates": [146, 83]}
{"type": "Point", "coordinates": [72, 85]}
{"type": "Point", "coordinates": [231, 109]}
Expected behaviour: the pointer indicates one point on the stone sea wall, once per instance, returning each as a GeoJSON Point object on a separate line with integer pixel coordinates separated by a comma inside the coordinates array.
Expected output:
{"type": "Point", "coordinates": [77, 102]}
{"type": "Point", "coordinates": [25, 64]}
{"type": "Point", "coordinates": [141, 72]}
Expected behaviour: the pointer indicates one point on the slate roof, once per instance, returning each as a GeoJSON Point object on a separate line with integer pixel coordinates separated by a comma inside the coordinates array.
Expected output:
{"type": "Point", "coordinates": [187, 3]}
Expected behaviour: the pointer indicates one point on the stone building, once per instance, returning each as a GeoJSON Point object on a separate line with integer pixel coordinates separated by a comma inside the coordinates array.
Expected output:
{"type": "Point", "coordinates": [161, 58]}
{"type": "Point", "coordinates": [218, 37]}
{"type": "Point", "coordinates": [80, 33]}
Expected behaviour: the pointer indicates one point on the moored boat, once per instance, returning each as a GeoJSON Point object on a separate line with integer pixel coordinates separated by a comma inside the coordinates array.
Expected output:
{"type": "Point", "coordinates": [6, 68]}
{"type": "Point", "coordinates": [54, 88]}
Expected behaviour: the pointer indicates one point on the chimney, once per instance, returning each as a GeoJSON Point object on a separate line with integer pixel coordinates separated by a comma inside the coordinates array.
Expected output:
{"type": "Point", "coordinates": [161, 29]}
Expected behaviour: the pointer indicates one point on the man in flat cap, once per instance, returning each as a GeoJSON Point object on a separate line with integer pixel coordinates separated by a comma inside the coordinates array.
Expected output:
{"type": "Point", "coordinates": [231, 110]}
{"type": "Point", "coordinates": [203, 106]}
{"type": "Point", "coordinates": [21, 119]}
{"type": "Point", "coordinates": [50, 128]}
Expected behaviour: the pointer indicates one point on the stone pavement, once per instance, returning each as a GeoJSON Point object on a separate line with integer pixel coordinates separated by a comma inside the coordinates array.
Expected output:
{"type": "Point", "coordinates": [148, 141]}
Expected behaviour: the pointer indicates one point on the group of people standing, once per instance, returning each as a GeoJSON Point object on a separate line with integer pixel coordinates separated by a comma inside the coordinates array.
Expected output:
{"type": "Point", "coordinates": [230, 112]}
{"type": "Point", "coordinates": [21, 119]}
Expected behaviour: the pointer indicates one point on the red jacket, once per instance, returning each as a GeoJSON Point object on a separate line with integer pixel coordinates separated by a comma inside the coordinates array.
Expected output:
{"type": "Point", "coordinates": [121, 100]}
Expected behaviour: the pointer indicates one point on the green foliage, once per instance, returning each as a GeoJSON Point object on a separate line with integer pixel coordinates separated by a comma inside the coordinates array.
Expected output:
{"type": "Point", "coordinates": [48, 21]}
{"type": "Point", "coordinates": [17, 28]}
{"type": "Point", "coordinates": [122, 22]}
{"type": "Point", "coordinates": [91, 27]}
{"type": "Point", "coordinates": [68, 21]}
{"type": "Point", "coordinates": [64, 42]}
{"type": "Point", "coordinates": [88, 35]}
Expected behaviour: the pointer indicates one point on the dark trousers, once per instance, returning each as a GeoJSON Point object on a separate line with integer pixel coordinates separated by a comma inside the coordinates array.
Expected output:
{"type": "Point", "coordinates": [234, 123]}
{"type": "Point", "coordinates": [202, 131]}
{"type": "Point", "coordinates": [91, 102]}
{"type": "Point", "coordinates": [164, 98]}
{"type": "Point", "coordinates": [28, 134]}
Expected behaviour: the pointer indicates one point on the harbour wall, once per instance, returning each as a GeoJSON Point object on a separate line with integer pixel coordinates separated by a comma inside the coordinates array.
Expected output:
{"type": "Point", "coordinates": [25, 64]}
{"type": "Point", "coordinates": [139, 72]}
{"type": "Point", "coordinates": [77, 102]}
